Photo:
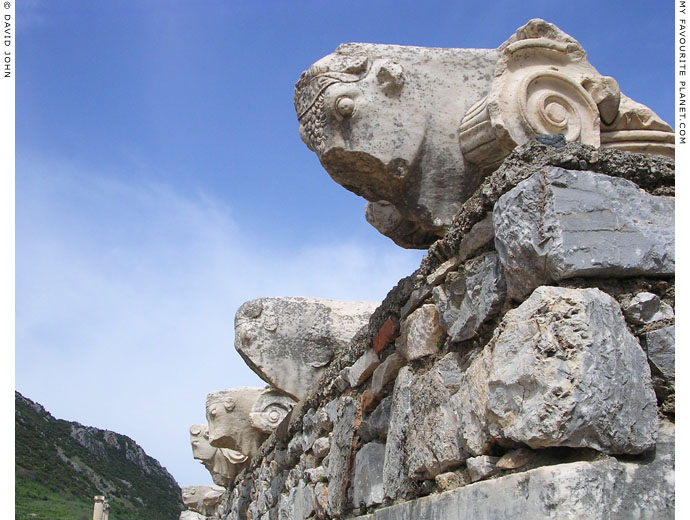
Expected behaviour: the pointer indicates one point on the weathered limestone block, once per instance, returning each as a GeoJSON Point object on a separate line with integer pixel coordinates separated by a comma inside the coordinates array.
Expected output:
{"type": "Point", "coordinates": [268, 484]}
{"type": "Point", "coordinates": [310, 429]}
{"type": "Point", "coordinates": [424, 436]}
{"type": "Point", "coordinates": [413, 130]}
{"type": "Point", "coordinates": [470, 402]}
{"type": "Point", "coordinates": [238, 501]}
{"type": "Point", "coordinates": [561, 224]}
{"type": "Point", "coordinates": [481, 467]}
{"type": "Point", "coordinates": [470, 296]}
{"type": "Point", "coordinates": [451, 480]}
{"type": "Point", "coordinates": [386, 372]}
{"type": "Point", "coordinates": [567, 372]}
{"type": "Point", "coordinates": [395, 480]}
{"type": "Point", "coordinates": [298, 504]}
{"type": "Point", "coordinates": [415, 300]}
{"type": "Point", "coordinates": [477, 237]}
{"type": "Point", "coordinates": [202, 499]}
{"type": "Point", "coordinates": [368, 479]}
{"type": "Point", "coordinates": [288, 341]}
{"type": "Point", "coordinates": [420, 334]}
{"type": "Point", "coordinates": [320, 500]}
{"type": "Point", "coordinates": [322, 420]}
{"type": "Point", "coordinates": [375, 425]}
{"type": "Point", "coordinates": [646, 308]}
{"type": "Point", "coordinates": [561, 370]}
{"type": "Point", "coordinates": [295, 447]}
{"type": "Point", "coordinates": [363, 368]}
{"type": "Point", "coordinates": [340, 456]}
{"type": "Point", "coordinates": [320, 447]}
{"type": "Point", "coordinates": [607, 489]}
{"type": "Point", "coordinates": [442, 270]}
{"type": "Point", "coordinates": [514, 459]}
{"type": "Point", "coordinates": [436, 437]}
{"type": "Point", "coordinates": [331, 410]}
{"type": "Point", "coordinates": [229, 421]}
{"type": "Point", "coordinates": [315, 474]}
{"type": "Point", "coordinates": [222, 463]}
{"type": "Point", "coordinates": [661, 351]}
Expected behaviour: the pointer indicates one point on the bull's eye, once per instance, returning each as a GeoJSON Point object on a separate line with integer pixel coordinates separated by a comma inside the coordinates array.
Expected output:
{"type": "Point", "coordinates": [345, 106]}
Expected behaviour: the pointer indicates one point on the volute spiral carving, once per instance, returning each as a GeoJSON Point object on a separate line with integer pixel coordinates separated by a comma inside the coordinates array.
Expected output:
{"type": "Point", "coordinates": [544, 84]}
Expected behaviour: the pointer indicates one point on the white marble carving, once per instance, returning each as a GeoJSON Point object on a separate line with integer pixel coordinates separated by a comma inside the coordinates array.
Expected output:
{"type": "Point", "coordinates": [269, 410]}
{"type": "Point", "coordinates": [544, 84]}
{"type": "Point", "coordinates": [414, 130]}
{"type": "Point", "coordinates": [229, 422]}
{"type": "Point", "coordinates": [222, 463]}
{"type": "Point", "coordinates": [289, 341]}
{"type": "Point", "coordinates": [383, 120]}
{"type": "Point", "coordinates": [202, 499]}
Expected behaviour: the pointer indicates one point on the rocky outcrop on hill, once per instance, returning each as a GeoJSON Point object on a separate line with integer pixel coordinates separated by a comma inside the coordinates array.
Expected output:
{"type": "Point", "coordinates": [65, 462]}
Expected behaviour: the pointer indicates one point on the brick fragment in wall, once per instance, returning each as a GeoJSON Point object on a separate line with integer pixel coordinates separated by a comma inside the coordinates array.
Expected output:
{"type": "Point", "coordinates": [386, 334]}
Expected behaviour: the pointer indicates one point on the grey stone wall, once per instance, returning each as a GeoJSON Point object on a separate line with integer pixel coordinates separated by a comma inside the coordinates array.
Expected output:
{"type": "Point", "coordinates": [524, 371]}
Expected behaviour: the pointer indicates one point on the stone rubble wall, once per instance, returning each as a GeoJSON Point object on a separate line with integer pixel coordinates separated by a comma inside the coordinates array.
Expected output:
{"type": "Point", "coordinates": [525, 370]}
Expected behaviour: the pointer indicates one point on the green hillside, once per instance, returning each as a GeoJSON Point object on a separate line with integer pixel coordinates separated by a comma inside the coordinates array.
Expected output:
{"type": "Point", "coordinates": [61, 465]}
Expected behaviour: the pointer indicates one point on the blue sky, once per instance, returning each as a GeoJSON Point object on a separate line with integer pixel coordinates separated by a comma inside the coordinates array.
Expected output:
{"type": "Point", "coordinates": [161, 182]}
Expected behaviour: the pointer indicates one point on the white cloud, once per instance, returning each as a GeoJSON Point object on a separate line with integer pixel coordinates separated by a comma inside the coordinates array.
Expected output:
{"type": "Point", "coordinates": [126, 294]}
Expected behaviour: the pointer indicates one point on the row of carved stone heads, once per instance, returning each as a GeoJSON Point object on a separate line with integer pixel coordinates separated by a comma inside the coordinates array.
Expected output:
{"type": "Point", "coordinates": [287, 342]}
{"type": "Point", "coordinates": [414, 130]}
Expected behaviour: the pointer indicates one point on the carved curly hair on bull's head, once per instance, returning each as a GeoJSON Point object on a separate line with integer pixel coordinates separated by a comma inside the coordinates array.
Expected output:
{"type": "Point", "coordinates": [310, 93]}
{"type": "Point", "coordinates": [382, 120]}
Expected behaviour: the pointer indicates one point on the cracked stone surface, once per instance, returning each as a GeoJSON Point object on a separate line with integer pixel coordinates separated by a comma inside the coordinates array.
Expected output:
{"type": "Point", "coordinates": [646, 308]}
{"type": "Point", "coordinates": [562, 224]}
{"type": "Point", "coordinates": [368, 476]}
{"type": "Point", "coordinates": [420, 334]}
{"type": "Point", "coordinates": [661, 351]}
{"type": "Point", "coordinates": [288, 341]}
{"type": "Point", "coordinates": [606, 488]}
{"type": "Point", "coordinates": [470, 296]}
{"type": "Point", "coordinates": [567, 372]}
{"type": "Point", "coordinates": [340, 456]}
